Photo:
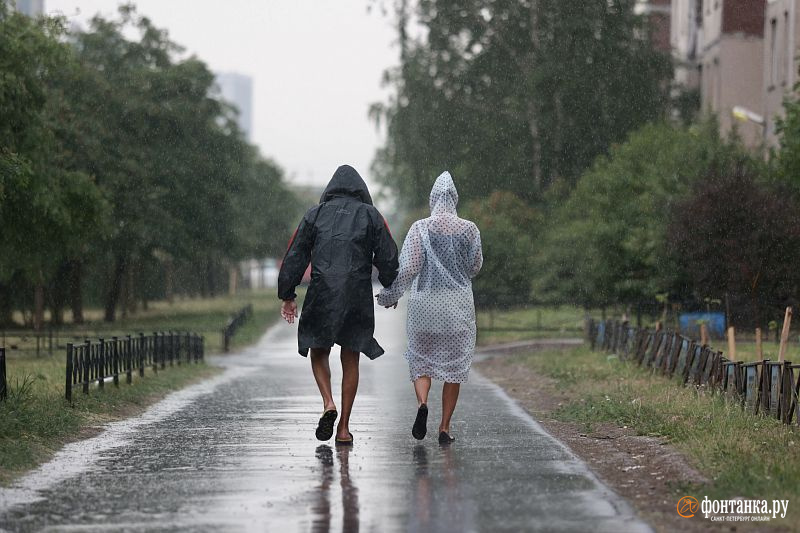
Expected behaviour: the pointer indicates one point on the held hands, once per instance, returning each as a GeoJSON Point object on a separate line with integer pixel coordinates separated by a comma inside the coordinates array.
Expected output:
{"type": "Point", "coordinates": [289, 311]}
{"type": "Point", "coordinates": [388, 306]}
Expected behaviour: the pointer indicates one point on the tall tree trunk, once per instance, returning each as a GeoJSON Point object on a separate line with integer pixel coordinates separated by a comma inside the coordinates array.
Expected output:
{"type": "Point", "coordinates": [6, 312]}
{"type": "Point", "coordinates": [76, 290]}
{"type": "Point", "coordinates": [169, 280]}
{"type": "Point", "coordinates": [38, 302]}
{"type": "Point", "coordinates": [57, 293]}
{"type": "Point", "coordinates": [115, 288]}
{"type": "Point", "coordinates": [212, 286]}
{"type": "Point", "coordinates": [233, 279]}
{"type": "Point", "coordinates": [532, 111]}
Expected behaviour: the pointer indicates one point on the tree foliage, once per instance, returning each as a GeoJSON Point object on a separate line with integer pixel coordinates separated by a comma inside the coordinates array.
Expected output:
{"type": "Point", "coordinates": [739, 236]}
{"type": "Point", "coordinates": [509, 228]}
{"type": "Point", "coordinates": [514, 94]}
{"type": "Point", "coordinates": [608, 242]}
{"type": "Point", "coordinates": [120, 163]}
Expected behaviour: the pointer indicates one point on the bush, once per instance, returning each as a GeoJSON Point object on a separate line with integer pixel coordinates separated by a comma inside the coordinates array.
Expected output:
{"type": "Point", "coordinates": [509, 227]}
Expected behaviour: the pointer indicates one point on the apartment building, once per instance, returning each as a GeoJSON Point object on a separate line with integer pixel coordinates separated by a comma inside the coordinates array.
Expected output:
{"type": "Point", "coordinates": [686, 41]}
{"type": "Point", "coordinates": [743, 57]}
{"type": "Point", "coordinates": [731, 75]}
{"type": "Point", "coordinates": [780, 61]}
{"type": "Point", "coordinates": [658, 15]}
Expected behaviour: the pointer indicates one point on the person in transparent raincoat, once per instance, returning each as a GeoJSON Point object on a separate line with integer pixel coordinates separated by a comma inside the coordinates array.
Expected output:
{"type": "Point", "coordinates": [440, 256]}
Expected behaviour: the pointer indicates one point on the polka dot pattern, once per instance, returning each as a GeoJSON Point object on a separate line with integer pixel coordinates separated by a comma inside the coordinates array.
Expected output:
{"type": "Point", "coordinates": [440, 256]}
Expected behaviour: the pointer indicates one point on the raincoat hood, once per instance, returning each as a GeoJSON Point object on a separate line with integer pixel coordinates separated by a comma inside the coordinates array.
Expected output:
{"type": "Point", "coordinates": [346, 181]}
{"type": "Point", "coordinates": [444, 197]}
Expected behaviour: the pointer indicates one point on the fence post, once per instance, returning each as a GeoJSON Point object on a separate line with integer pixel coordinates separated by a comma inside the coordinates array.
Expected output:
{"type": "Point", "coordinates": [101, 363]}
{"type": "Point", "coordinates": [3, 380]}
{"type": "Point", "coordinates": [787, 322]}
{"type": "Point", "coordinates": [163, 348]}
{"type": "Point", "coordinates": [68, 390]}
{"type": "Point", "coordinates": [153, 351]}
{"type": "Point", "coordinates": [140, 352]}
{"type": "Point", "coordinates": [115, 359]}
{"type": "Point", "coordinates": [87, 364]}
{"type": "Point", "coordinates": [128, 359]}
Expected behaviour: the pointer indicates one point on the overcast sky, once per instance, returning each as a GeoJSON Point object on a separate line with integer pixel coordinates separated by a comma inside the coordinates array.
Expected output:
{"type": "Point", "coordinates": [316, 68]}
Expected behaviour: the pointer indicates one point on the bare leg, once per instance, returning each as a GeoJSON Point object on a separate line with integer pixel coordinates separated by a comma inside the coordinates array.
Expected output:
{"type": "Point", "coordinates": [422, 386]}
{"type": "Point", "coordinates": [449, 400]}
{"type": "Point", "coordinates": [320, 366]}
{"type": "Point", "coordinates": [349, 389]}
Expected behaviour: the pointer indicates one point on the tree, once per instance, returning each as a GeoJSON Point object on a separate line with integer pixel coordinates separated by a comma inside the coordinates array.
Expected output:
{"type": "Point", "coordinates": [514, 94]}
{"type": "Point", "coordinates": [607, 242]}
{"type": "Point", "coordinates": [506, 276]}
{"type": "Point", "coordinates": [46, 210]}
{"type": "Point", "coordinates": [738, 235]}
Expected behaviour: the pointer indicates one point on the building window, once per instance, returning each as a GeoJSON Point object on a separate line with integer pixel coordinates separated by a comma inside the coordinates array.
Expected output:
{"type": "Point", "coordinates": [773, 52]}
{"type": "Point", "coordinates": [786, 52]}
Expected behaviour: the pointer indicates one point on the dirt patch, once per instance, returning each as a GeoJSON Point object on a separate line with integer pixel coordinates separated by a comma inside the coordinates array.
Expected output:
{"type": "Point", "coordinates": [646, 471]}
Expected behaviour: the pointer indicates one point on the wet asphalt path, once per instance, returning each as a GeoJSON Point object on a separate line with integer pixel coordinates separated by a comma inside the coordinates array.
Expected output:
{"type": "Point", "coordinates": [237, 453]}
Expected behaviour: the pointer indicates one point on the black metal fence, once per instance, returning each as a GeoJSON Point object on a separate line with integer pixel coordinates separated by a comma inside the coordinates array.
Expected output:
{"type": "Point", "coordinates": [3, 380]}
{"type": "Point", "coordinates": [236, 321]}
{"type": "Point", "coordinates": [768, 387]}
{"type": "Point", "coordinates": [103, 360]}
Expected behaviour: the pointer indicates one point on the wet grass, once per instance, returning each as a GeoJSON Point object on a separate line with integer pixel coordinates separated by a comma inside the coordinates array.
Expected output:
{"type": "Point", "coordinates": [744, 455]}
{"type": "Point", "coordinates": [36, 420]}
{"type": "Point", "coordinates": [206, 316]}
{"type": "Point", "coordinates": [527, 323]}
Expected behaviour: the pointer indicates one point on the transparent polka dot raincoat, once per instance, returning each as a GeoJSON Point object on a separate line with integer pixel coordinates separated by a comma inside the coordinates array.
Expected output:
{"type": "Point", "coordinates": [440, 256]}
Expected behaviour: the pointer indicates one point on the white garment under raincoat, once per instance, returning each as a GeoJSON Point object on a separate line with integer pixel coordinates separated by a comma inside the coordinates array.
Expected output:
{"type": "Point", "coordinates": [440, 256]}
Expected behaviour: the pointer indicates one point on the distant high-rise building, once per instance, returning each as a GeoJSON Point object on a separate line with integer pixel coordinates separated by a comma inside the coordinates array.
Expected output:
{"type": "Point", "coordinates": [31, 8]}
{"type": "Point", "coordinates": [237, 89]}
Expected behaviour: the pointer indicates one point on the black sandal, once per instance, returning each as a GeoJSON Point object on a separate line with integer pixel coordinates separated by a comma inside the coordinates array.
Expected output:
{"type": "Point", "coordinates": [325, 426]}
{"type": "Point", "coordinates": [445, 439]}
{"type": "Point", "coordinates": [345, 442]}
{"type": "Point", "coordinates": [420, 427]}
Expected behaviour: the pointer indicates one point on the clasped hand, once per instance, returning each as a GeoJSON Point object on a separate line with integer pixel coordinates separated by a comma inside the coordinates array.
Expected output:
{"type": "Point", "coordinates": [388, 306]}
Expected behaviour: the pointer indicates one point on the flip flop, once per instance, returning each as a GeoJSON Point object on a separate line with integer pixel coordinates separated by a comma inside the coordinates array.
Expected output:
{"type": "Point", "coordinates": [345, 442]}
{"type": "Point", "coordinates": [445, 438]}
{"type": "Point", "coordinates": [325, 425]}
{"type": "Point", "coordinates": [420, 427]}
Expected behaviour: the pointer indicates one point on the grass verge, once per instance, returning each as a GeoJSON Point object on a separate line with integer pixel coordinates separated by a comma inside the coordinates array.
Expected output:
{"type": "Point", "coordinates": [36, 421]}
{"type": "Point", "coordinates": [743, 454]}
{"type": "Point", "coordinates": [527, 323]}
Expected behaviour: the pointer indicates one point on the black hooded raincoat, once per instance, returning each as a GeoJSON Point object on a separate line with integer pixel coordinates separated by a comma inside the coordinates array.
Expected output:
{"type": "Point", "coordinates": [342, 237]}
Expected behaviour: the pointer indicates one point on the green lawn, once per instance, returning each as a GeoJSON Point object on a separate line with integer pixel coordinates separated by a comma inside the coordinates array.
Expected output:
{"type": "Point", "coordinates": [36, 420]}
{"type": "Point", "coordinates": [744, 454]}
{"type": "Point", "coordinates": [500, 326]}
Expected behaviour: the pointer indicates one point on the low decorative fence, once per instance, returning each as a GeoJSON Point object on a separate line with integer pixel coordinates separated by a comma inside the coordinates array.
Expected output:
{"type": "Point", "coordinates": [99, 361]}
{"type": "Point", "coordinates": [3, 380]}
{"type": "Point", "coordinates": [236, 321]}
{"type": "Point", "coordinates": [768, 387]}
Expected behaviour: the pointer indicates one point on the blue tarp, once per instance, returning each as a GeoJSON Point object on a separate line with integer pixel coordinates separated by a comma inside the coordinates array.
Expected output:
{"type": "Point", "coordinates": [690, 324]}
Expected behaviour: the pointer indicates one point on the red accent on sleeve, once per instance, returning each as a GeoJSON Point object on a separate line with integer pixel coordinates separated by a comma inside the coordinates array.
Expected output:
{"type": "Point", "coordinates": [386, 224]}
{"type": "Point", "coordinates": [292, 239]}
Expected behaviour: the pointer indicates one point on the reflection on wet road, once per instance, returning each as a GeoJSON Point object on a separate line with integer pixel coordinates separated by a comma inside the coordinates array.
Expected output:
{"type": "Point", "coordinates": [238, 454]}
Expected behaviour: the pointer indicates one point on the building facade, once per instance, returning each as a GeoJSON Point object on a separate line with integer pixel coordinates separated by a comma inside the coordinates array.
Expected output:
{"type": "Point", "coordinates": [780, 61]}
{"type": "Point", "coordinates": [237, 89]}
{"type": "Point", "coordinates": [686, 41]}
{"type": "Point", "coordinates": [732, 64]}
{"type": "Point", "coordinates": [743, 56]}
{"type": "Point", "coordinates": [658, 14]}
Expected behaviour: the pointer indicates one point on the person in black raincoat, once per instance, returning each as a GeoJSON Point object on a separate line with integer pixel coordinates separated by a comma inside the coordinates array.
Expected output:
{"type": "Point", "coordinates": [342, 238]}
